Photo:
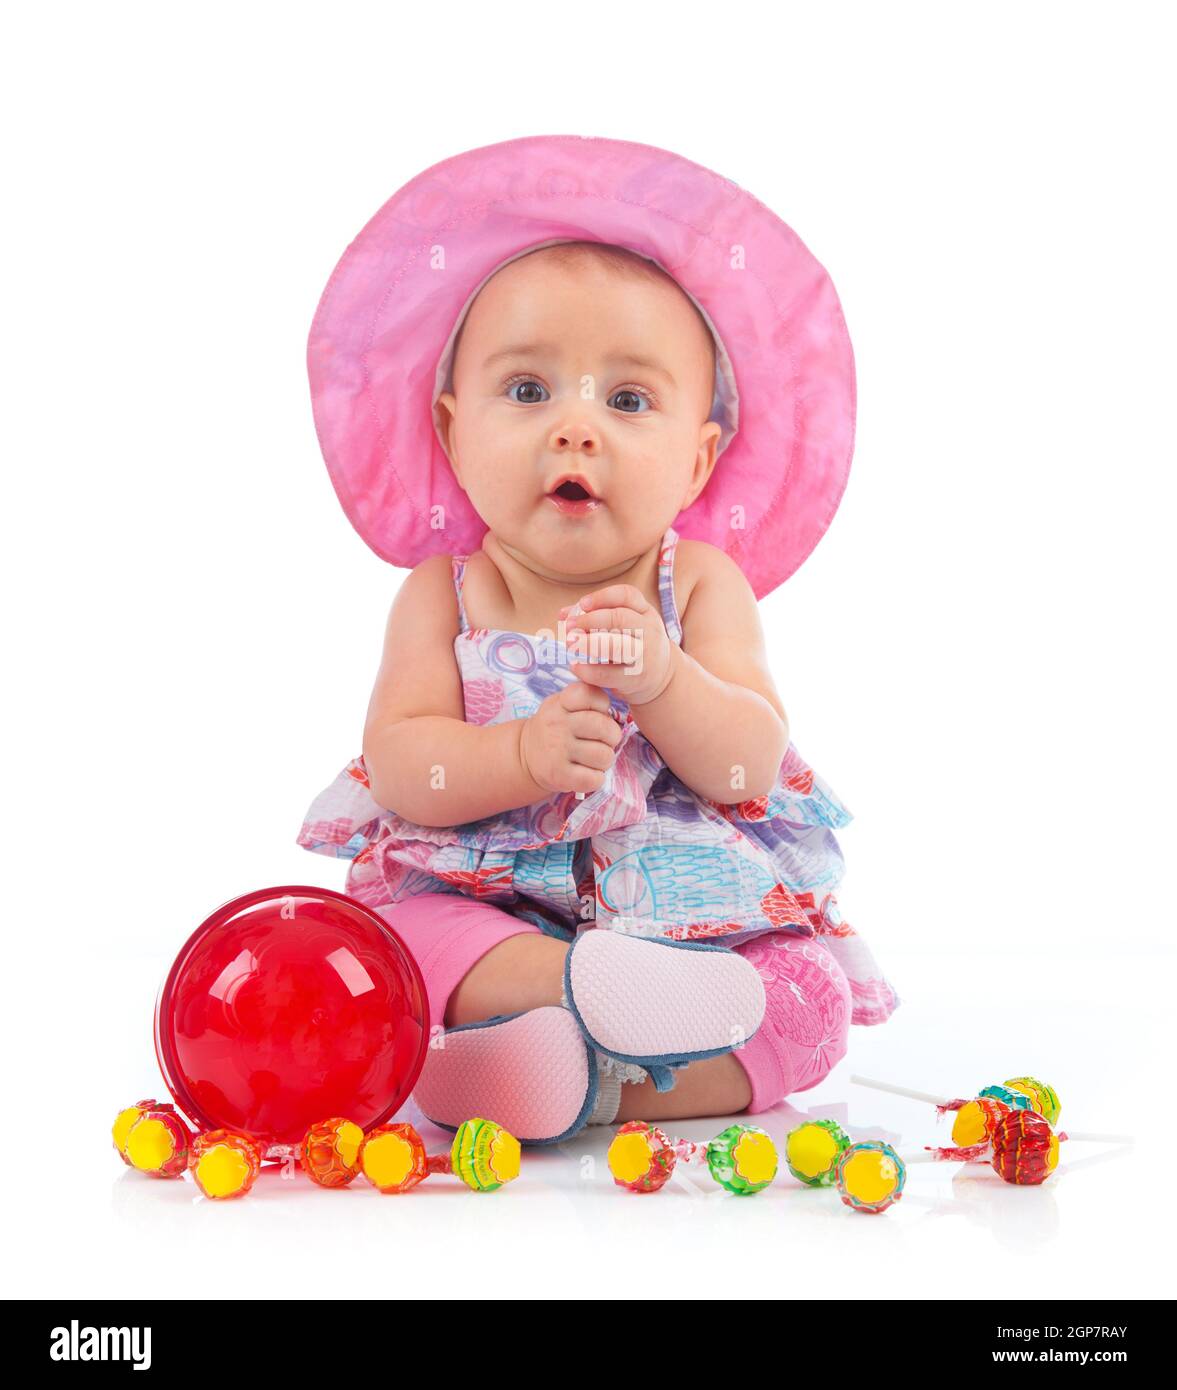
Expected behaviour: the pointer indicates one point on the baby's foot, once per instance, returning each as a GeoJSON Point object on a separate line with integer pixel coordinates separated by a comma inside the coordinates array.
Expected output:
{"type": "Point", "coordinates": [660, 1004]}
{"type": "Point", "coordinates": [531, 1072]}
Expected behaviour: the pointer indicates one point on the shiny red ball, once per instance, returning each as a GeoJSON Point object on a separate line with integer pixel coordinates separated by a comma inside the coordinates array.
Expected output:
{"type": "Point", "coordinates": [286, 1005]}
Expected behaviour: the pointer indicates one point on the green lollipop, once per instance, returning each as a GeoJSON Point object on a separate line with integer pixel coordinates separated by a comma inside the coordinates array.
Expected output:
{"type": "Point", "coordinates": [743, 1159]}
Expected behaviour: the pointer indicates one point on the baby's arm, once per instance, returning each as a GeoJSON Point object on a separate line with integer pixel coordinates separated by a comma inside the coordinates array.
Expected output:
{"type": "Point", "coordinates": [720, 710]}
{"type": "Point", "coordinates": [427, 764]}
{"type": "Point", "coordinates": [419, 751]}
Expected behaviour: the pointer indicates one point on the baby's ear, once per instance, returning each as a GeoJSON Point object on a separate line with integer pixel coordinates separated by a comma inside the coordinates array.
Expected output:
{"type": "Point", "coordinates": [705, 458]}
{"type": "Point", "coordinates": [445, 413]}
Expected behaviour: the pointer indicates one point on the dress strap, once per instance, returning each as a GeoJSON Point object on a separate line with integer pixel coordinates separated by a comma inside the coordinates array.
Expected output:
{"type": "Point", "coordinates": [666, 585]}
{"type": "Point", "coordinates": [458, 570]}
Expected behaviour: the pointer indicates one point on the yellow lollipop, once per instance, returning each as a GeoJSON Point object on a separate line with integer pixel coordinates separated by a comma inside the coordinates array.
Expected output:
{"type": "Point", "coordinates": [224, 1164]}
{"type": "Point", "coordinates": [813, 1149]}
{"type": "Point", "coordinates": [870, 1176]}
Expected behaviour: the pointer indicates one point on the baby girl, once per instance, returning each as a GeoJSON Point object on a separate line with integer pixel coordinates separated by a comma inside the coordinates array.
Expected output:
{"type": "Point", "coordinates": [578, 803]}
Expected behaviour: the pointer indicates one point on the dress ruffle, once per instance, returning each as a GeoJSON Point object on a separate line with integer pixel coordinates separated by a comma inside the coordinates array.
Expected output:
{"type": "Point", "coordinates": [643, 853]}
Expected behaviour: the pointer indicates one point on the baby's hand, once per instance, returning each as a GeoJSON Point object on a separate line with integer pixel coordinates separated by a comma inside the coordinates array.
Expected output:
{"type": "Point", "coordinates": [569, 743]}
{"type": "Point", "coordinates": [623, 641]}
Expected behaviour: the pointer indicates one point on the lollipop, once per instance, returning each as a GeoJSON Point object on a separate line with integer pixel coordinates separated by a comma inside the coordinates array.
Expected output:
{"type": "Point", "coordinates": [813, 1149]}
{"type": "Point", "coordinates": [157, 1141]}
{"type": "Point", "coordinates": [870, 1176]}
{"type": "Point", "coordinates": [126, 1119]}
{"type": "Point", "coordinates": [393, 1159]}
{"type": "Point", "coordinates": [641, 1157]}
{"type": "Point", "coordinates": [742, 1159]}
{"type": "Point", "coordinates": [224, 1164]}
{"type": "Point", "coordinates": [330, 1152]}
{"type": "Point", "coordinates": [483, 1155]}
{"type": "Point", "coordinates": [1025, 1148]}
{"type": "Point", "coordinates": [1043, 1098]}
{"type": "Point", "coordinates": [977, 1118]}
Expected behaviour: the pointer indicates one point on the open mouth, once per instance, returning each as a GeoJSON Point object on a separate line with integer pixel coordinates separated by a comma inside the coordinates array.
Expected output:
{"type": "Point", "coordinates": [573, 498]}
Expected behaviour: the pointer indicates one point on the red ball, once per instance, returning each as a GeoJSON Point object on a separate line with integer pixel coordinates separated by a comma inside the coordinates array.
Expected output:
{"type": "Point", "coordinates": [286, 1005]}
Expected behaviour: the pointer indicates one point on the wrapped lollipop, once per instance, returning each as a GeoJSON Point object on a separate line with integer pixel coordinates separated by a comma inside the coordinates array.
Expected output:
{"type": "Point", "coordinates": [1025, 1148]}
{"type": "Point", "coordinates": [224, 1163]}
{"type": "Point", "coordinates": [330, 1152]}
{"type": "Point", "coordinates": [870, 1176]}
{"type": "Point", "coordinates": [125, 1121]}
{"type": "Point", "coordinates": [1043, 1098]}
{"type": "Point", "coordinates": [483, 1155]}
{"type": "Point", "coordinates": [742, 1160]}
{"type": "Point", "coordinates": [813, 1149]}
{"type": "Point", "coordinates": [152, 1137]}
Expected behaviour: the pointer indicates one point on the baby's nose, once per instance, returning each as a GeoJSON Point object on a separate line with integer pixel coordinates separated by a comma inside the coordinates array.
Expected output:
{"type": "Point", "coordinates": [578, 437]}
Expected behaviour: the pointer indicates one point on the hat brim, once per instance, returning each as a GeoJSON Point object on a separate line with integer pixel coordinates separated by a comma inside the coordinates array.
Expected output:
{"type": "Point", "coordinates": [392, 301]}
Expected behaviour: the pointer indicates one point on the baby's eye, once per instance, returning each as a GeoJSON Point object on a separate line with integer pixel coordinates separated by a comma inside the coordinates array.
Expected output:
{"type": "Point", "coordinates": [530, 391]}
{"type": "Point", "coordinates": [631, 402]}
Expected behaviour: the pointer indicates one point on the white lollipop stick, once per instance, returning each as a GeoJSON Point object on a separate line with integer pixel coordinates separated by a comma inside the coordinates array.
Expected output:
{"type": "Point", "coordinates": [1087, 1138]}
{"type": "Point", "coordinates": [900, 1090]}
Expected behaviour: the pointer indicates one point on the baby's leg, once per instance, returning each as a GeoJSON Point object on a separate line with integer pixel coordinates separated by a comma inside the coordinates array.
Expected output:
{"type": "Point", "coordinates": [523, 972]}
{"type": "Point", "coordinates": [477, 960]}
{"type": "Point", "coordinates": [716, 1086]}
{"type": "Point", "coordinates": [806, 1023]}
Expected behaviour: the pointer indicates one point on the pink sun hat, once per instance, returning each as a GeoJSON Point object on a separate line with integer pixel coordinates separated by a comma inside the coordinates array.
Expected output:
{"type": "Point", "coordinates": [381, 343]}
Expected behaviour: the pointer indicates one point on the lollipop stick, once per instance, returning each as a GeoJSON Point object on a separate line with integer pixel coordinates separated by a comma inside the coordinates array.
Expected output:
{"type": "Point", "coordinates": [1086, 1137]}
{"type": "Point", "coordinates": [900, 1090]}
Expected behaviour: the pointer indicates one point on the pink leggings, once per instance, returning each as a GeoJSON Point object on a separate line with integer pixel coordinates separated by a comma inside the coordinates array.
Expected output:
{"type": "Point", "coordinates": [806, 1020]}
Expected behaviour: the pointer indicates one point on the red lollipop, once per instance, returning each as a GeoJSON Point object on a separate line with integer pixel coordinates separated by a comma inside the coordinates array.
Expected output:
{"type": "Point", "coordinates": [1025, 1148]}
{"type": "Point", "coordinates": [286, 1005]}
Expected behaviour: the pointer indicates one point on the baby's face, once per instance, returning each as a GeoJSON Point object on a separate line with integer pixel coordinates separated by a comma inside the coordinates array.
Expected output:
{"type": "Point", "coordinates": [575, 369]}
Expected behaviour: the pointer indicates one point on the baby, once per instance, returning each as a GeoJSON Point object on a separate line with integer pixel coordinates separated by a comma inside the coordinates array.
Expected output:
{"type": "Point", "coordinates": [574, 726]}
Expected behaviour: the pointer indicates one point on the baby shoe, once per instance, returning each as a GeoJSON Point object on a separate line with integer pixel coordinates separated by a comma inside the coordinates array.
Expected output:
{"type": "Point", "coordinates": [532, 1072]}
{"type": "Point", "coordinates": [658, 1003]}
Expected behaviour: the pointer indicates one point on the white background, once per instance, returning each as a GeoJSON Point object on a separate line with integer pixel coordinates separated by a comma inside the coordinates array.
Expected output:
{"type": "Point", "coordinates": [976, 657]}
